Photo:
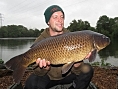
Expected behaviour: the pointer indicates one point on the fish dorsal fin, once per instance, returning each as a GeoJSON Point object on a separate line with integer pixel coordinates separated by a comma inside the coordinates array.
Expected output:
{"type": "Point", "coordinates": [93, 55]}
{"type": "Point", "coordinates": [34, 44]}
{"type": "Point", "coordinates": [67, 67]}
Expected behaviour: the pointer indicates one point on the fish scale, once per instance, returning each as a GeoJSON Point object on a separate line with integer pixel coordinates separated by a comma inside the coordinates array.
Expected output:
{"type": "Point", "coordinates": [62, 49]}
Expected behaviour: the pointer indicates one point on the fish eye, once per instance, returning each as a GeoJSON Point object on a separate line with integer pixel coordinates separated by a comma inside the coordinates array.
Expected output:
{"type": "Point", "coordinates": [103, 36]}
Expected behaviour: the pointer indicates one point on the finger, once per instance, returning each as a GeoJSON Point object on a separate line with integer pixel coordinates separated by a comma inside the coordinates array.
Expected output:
{"type": "Point", "coordinates": [38, 60]}
{"type": "Point", "coordinates": [47, 67]}
{"type": "Point", "coordinates": [40, 64]}
{"type": "Point", "coordinates": [48, 62]}
{"type": "Point", "coordinates": [44, 63]}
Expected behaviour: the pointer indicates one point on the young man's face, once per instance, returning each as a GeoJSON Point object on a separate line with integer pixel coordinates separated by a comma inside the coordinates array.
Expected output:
{"type": "Point", "coordinates": [56, 22]}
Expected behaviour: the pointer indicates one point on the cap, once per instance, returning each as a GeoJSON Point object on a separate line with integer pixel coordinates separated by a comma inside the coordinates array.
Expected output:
{"type": "Point", "coordinates": [50, 10]}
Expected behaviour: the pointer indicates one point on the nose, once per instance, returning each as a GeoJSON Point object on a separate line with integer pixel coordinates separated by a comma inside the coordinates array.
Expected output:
{"type": "Point", "coordinates": [59, 19]}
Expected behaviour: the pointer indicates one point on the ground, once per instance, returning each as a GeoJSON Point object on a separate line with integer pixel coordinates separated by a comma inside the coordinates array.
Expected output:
{"type": "Point", "coordinates": [104, 78]}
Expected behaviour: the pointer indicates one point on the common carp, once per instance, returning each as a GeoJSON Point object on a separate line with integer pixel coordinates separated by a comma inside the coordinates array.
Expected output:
{"type": "Point", "coordinates": [63, 49]}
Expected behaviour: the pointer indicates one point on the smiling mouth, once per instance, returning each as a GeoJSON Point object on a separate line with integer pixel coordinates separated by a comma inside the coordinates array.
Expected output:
{"type": "Point", "coordinates": [59, 25]}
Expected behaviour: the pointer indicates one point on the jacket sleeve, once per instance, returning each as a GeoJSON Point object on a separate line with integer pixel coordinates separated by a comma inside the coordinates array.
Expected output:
{"type": "Point", "coordinates": [40, 71]}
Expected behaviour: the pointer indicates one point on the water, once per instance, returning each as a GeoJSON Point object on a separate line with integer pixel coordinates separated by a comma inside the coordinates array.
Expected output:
{"type": "Point", "coordinates": [10, 47]}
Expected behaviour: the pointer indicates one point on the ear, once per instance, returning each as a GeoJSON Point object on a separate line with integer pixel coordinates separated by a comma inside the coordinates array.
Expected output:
{"type": "Point", "coordinates": [48, 23]}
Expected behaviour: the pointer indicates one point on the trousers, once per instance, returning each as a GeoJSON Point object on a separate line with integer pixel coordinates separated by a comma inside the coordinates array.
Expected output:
{"type": "Point", "coordinates": [80, 81]}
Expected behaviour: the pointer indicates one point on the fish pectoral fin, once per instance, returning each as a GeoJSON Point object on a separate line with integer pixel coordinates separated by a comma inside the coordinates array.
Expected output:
{"type": "Point", "coordinates": [67, 67]}
{"type": "Point", "coordinates": [93, 55]}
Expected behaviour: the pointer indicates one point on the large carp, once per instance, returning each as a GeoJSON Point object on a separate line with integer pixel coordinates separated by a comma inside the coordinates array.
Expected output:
{"type": "Point", "coordinates": [64, 49]}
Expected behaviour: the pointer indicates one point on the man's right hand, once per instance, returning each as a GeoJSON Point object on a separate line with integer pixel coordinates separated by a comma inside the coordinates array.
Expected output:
{"type": "Point", "coordinates": [43, 63]}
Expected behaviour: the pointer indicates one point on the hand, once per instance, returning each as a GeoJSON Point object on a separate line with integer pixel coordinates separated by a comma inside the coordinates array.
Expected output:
{"type": "Point", "coordinates": [43, 63]}
{"type": "Point", "coordinates": [77, 64]}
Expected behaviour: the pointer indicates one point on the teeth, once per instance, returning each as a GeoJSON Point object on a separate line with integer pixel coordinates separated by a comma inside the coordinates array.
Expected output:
{"type": "Point", "coordinates": [59, 25]}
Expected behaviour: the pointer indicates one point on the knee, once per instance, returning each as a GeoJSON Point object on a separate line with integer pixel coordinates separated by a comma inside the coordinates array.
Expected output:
{"type": "Point", "coordinates": [37, 82]}
{"type": "Point", "coordinates": [31, 82]}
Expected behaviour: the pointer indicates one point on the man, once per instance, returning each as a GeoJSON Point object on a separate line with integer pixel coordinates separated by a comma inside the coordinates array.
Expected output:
{"type": "Point", "coordinates": [46, 76]}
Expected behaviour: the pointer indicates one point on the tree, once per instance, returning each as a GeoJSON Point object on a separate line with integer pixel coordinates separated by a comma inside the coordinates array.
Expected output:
{"type": "Point", "coordinates": [108, 26]}
{"type": "Point", "coordinates": [102, 23]}
{"type": "Point", "coordinates": [36, 32]}
{"type": "Point", "coordinates": [115, 28]}
{"type": "Point", "coordinates": [3, 32]}
{"type": "Point", "coordinates": [30, 33]}
{"type": "Point", "coordinates": [13, 31]}
{"type": "Point", "coordinates": [23, 31]}
{"type": "Point", "coordinates": [79, 25]}
{"type": "Point", "coordinates": [18, 31]}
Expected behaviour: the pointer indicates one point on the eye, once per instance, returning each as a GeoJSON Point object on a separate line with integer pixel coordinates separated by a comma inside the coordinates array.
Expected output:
{"type": "Point", "coordinates": [54, 17]}
{"type": "Point", "coordinates": [103, 36]}
{"type": "Point", "coordinates": [62, 16]}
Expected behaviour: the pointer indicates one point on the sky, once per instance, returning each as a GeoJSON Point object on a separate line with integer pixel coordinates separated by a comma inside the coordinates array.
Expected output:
{"type": "Point", "coordinates": [30, 13]}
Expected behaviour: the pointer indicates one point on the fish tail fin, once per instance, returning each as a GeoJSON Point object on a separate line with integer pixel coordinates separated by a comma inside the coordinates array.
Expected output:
{"type": "Point", "coordinates": [18, 68]}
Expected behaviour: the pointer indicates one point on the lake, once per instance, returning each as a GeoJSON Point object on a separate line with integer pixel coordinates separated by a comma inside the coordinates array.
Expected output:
{"type": "Point", "coordinates": [10, 47]}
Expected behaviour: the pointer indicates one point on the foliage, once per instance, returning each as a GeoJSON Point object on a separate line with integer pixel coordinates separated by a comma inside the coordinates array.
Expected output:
{"type": "Point", "coordinates": [18, 31]}
{"type": "Point", "coordinates": [1, 61]}
{"type": "Point", "coordinates": [108, 26]}
{"type": "Point", "coordinates": [101, 64]}
{"type": "Point", "coordinates": [79, 25]}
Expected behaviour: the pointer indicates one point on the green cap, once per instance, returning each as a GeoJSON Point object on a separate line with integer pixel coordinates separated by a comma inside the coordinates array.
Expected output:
{"type": "Point", "coordinates": [50, 10]}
